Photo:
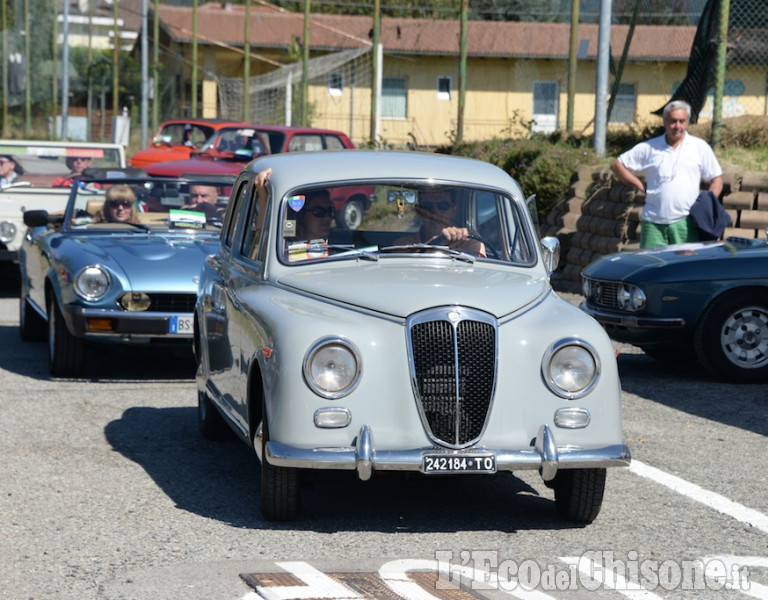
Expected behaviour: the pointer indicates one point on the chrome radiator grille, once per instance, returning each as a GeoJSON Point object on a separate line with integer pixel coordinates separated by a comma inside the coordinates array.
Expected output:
{"type": "Point", "coordinates": [604, 293]}
{"type": "Point", "coordinates": [453, 357]}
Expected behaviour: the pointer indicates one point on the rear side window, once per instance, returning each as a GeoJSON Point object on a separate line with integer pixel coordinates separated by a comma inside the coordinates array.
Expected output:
{"type": "Point", "coordinates": [332, 142]}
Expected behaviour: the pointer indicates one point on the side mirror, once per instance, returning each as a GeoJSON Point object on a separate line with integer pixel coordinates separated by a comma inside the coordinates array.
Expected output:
{"type": "Point", "coordinates": [550, 251]}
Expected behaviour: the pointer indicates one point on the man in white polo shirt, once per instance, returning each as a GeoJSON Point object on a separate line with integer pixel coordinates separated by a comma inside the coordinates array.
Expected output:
{"type": "Point", "coordinates": [674, 165]}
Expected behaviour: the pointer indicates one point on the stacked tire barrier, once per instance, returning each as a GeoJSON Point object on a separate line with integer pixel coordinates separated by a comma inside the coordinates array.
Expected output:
{"type": "Point", "coordinates": [601, 216]}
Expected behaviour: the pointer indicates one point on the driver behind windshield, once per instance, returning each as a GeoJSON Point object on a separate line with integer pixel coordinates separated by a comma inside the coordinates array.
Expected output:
{"type": "Point", "coordinates": [438, 209]}
{"type": "Point", "coordinates": [119, 206]}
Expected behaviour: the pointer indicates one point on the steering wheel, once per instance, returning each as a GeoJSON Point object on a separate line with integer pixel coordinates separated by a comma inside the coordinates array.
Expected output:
{"type": "Point", "coordinates": [441, 240]}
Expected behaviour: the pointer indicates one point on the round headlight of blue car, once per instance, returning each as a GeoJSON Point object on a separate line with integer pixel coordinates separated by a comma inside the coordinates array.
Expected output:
{"type": "Point", "coordinates": [332, 368]}
{"type": "Point", "coordinates": [630, 297]}
{"type": "Point", "coordinates": [571, 368]}
{"type": "Point", "coordinates": [92, 282]}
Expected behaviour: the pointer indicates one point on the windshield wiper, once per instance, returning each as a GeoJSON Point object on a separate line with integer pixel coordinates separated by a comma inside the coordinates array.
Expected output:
{"type": "Point", "coordinates": [458, 254]}
{"type": "Point", "coordinates": [348, 250]}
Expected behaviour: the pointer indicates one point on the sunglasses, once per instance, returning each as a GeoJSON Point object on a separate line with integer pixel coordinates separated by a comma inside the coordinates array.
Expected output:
{"type": "Point", "coordinates": [431, 206]}
{"type": "Point", "coordinates": [119, 203]}
{"type": "Point", "coordinates": [327, 211]}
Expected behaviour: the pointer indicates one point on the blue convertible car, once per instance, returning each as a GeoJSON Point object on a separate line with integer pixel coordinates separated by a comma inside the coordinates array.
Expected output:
{"type": "Point", "coordinates": [119, 265]}
{"type": "Point", "coordinates": [706, 301]}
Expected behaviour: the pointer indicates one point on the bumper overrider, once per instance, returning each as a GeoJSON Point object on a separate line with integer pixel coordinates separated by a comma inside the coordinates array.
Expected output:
{"type": "Point", "coordinates": [544, 456]}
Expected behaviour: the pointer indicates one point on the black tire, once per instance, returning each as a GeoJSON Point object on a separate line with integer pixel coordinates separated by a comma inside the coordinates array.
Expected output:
{"type": "Point", "coordinates": [31, 324]}
{"type": "Point", "coordinates": [351, 216]}
{"type": "Point", "coordinates": [280, 500]}
{"type": "Point", "coordinates": [731, 340]}
{"type": "Point", "coordinates": [212, 425]}
{"type": "Point", "coordinates": [579, 493]}
{"type": "Point", "coordinates": [66, 353]}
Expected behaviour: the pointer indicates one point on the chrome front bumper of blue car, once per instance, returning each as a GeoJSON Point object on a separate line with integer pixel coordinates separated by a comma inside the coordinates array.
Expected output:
{"type": "Point", "coordinates": [543, 455]}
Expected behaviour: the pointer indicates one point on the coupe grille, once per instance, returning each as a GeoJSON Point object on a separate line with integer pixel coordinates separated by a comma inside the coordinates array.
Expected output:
{"type": "Point", "coordinates": [604, 293]}
{"type": "Point", "coordinates": [453, 354]}
{"type": "Point", "coordinates": [174, 303]}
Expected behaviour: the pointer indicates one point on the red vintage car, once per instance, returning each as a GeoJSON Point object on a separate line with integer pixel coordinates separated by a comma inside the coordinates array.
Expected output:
{"type": "Point", "coordinates": [234, 146]}
{"type": "Point", "coordinates": [177, 139]}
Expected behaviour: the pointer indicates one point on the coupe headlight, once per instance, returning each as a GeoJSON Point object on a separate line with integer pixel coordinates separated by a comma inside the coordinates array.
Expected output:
{"type": "Point", "coordinates": [332, 368]}
{"type": "Point", "coordinates": [571, 368]}
{"type": "Point", "coordinates": [7, 232]}
{"type": "Point", "coordinates": [91, 283]}
{"type": "Point", "coordinates": [630, 298]}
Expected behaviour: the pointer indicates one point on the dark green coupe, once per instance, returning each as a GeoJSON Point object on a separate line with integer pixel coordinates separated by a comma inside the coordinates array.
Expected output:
{"type": "Point", "coordinates": [707, 300]}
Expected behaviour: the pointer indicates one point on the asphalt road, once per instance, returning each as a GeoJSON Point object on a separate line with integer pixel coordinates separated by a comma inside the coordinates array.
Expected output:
{"type": "Point", "coordinates": [109, 492]}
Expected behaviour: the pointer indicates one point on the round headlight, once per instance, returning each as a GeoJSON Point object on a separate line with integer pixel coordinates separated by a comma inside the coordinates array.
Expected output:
{"type": "Point", "coordinates": [92, 283]}
{"type": "Point", "coordinates": [630, 298]}
{"type": "Point", "coordinates": [7, 232]}
{"type": "Point", "coordinates": [571, 369]}
{"type": "Point", "coordinates": [332, 368]}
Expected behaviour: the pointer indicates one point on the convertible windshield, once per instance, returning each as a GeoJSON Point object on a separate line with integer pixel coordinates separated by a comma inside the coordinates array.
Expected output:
{"type": "Point", "coordinates": [373, 220]}
{"type": "Point", "coordinates": [142, 205]}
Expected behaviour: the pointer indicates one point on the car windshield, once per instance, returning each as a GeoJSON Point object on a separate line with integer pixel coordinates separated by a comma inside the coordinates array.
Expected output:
{"type": "Point", "coordinates": [241, 141]}
{"type": "Point", "coordinates": [46, 163]}
{"type": "Point", "coordinates": [377, 220]}
{"type": "Point", "coordinates": [144, 205]}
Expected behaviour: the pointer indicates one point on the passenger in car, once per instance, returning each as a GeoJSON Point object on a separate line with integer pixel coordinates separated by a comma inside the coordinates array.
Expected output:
{"type": "Point", "coordinates": [119, 206]}
{"type": "Point", "coordinates": [76, 165]}
{"type": "Point", "coordinates": [316, 216]}
{"type": "Point", "coordinates": [203, 198]}
{"type": "Point", "coordinates": [437, 209]}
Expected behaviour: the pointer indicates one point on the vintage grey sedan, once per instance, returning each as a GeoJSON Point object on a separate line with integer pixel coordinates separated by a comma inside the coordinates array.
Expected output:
{"type": "Point", "coordinates": [426, 340]}
{"type": "Point", "coordinates": [119, 265]}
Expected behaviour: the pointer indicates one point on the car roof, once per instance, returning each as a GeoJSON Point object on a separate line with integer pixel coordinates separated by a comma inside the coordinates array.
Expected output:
{"type": "Point", "coordinates": [204, 121]}
{"type": "Point", "coordinates": [295, 169]}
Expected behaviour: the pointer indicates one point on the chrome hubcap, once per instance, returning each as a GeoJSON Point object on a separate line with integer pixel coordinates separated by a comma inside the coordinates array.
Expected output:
{"type": "Point", "coordinates": [744, 337]}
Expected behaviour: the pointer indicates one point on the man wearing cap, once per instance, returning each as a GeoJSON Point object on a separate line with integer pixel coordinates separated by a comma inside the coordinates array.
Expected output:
{"type": "Point", "coordinates": [10, 169]}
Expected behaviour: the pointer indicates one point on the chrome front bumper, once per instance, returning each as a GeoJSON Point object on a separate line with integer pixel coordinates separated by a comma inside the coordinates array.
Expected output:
{"type": "Point", "coordinates": [543, 456]}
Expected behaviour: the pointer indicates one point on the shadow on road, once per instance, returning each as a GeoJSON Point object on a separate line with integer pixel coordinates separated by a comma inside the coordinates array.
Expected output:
{"type": "Point", "coordinates": [685, 386]}
{"type": "Point", "coordinates": [220, 480]}
{"type": "Point", "coordinates": [31, 360]}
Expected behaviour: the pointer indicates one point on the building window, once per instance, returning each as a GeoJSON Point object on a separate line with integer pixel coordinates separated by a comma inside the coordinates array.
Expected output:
{"type": "Point", "coordinates": [545, 106]}
{"type": "Point", "coordinates": [623, 110]}
{"type": "Point", "coordinates": [393, 97]}
{"type": "Point", "coordinates": [443, 88]}
{"type": "Point", "coordinates": [335, 84]}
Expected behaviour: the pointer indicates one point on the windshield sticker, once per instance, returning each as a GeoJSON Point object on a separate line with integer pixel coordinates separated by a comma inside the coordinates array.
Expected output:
{"type": "Point", "coordinates": [306, 250]}
{"type": "Point", "coordinates": [289, 229]}
{"type": "Point", "coordinates": [187, 218]}
{"type": "Point", "coordinates": [297, 202]}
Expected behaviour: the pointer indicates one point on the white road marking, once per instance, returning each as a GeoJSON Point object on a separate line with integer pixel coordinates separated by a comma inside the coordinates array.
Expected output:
{"type": "Point", "coordinates": [609, 579]}
{"type": "Point", "coordinates": [695, 492]}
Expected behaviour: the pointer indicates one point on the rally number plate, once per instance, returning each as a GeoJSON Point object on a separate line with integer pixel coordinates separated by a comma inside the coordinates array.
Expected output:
{"type": "Point", "coordinates": [458, 463]}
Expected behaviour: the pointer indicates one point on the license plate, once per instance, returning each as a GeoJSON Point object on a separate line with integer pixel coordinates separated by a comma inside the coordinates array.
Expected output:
{"type": "Point", "coordinates": [179, 325]}
{"type": "Point", "coordinates": [458, 463]}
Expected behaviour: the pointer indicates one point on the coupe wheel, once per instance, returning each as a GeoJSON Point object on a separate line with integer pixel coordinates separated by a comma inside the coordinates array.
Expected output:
{"type": "Point", "coordinates": [209, 420]}
{"type": "Point", "coordinates": [579, 493]}
{"type": "Point", "coordinates": [31, 324]}
{"type": "Point", "coordinates": [66, 353]}
{"type": "Point", "coordinates": [279, 486]}
{"type": "Point", "coordinates": [731, 340]}
{"type": "Point", "coordinates": [351, 216]}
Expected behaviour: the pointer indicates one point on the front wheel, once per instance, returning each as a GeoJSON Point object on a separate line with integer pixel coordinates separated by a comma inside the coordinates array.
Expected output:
{"type": "Point", "coordinates": [279, 485]}
{"type": "Point", "coordinates": [66, 353]}
{"type": "Point", "coordinates": [579, 493]}
{"type": "Point", "coordinates": [731, 340]}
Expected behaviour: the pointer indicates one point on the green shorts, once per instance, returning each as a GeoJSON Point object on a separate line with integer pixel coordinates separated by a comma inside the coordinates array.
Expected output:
{"type": "Point", "coordinates": [679, 232]}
